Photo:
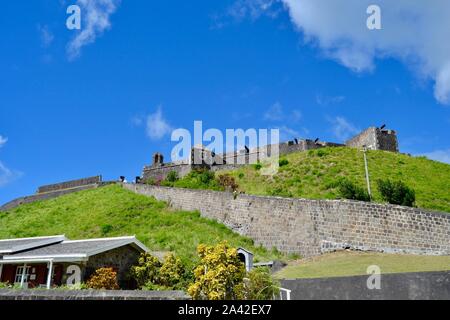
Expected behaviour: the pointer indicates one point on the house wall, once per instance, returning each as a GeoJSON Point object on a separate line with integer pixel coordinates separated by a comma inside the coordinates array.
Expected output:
{"type": "Point", "coordinates": [8, 273]}
{"type": "Point", "coordinates": [120, 259]}
{"type": "Point", "coordinates": [40, 273]}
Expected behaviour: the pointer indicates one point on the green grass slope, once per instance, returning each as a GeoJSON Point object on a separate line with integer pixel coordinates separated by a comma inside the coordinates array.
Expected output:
{"type": "Point", "coordinates": [342, 264]}
{"type": "Point", "coordinates": [113, 211]}
{"type": "Point", "coordinates": [313, 174]}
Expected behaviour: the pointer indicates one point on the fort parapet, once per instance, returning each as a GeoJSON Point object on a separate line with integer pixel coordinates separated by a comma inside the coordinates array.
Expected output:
{"type": "Point", "coordinates": [52, 191]}
{"type": "Point", "coordinates": [375, 139]}
{"type": "Point", "coordinates": [372, 138]}
{"type": "Point", "coordinates": [70, 184]}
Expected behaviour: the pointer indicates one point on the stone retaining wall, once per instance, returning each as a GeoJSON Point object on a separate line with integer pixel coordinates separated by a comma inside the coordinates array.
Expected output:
{"type": "Point", "coordinates": [10, 294]}
{"type": "Point", "coordinates": [312, 227]}
{"type": "Point", "coordinates": [70, 184]}
{"type": "Point", "coordinates": [396, 286]}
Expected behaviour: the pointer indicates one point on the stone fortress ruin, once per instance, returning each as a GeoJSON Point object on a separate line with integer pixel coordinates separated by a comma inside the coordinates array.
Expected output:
{"type": "Point", "coordinates": [373, 138]}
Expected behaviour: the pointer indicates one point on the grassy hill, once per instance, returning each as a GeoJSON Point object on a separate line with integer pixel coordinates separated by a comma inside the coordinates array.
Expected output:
{"type": "Point", "coordinates": [314, 174]}
{"type": "Point", "coordinates": [344, 263]}
{"type": "Point", "coordinates": [113, 211]}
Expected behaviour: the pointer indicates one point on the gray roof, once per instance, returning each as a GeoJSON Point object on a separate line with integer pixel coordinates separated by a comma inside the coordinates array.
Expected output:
{"type": "Point", "coordinates": [76, 250]}
{"type": "Point", "coordinates": [10, 246]}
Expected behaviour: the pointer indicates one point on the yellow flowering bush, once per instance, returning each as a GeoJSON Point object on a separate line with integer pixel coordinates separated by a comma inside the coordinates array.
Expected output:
{"type": "Point", "coordinates": [151, 274]}
{"type": "Point", "coordinates": [172, 273]}
{"type": "Point", "coordinates": [103, 278]}
{"type": "Point", "coordinates": [218, 273]}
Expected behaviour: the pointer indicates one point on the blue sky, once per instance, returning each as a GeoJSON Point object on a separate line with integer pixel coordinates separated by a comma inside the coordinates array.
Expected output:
{"type": "Point", "coordinates": [151, 66]}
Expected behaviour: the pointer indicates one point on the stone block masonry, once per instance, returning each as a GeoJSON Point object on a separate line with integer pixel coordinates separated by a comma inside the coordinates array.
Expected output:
{"type": "Point", "coordinates": [375, 139]}
{"type": "Point", "coordinates": [11, 294]}
{"type": "Point", "coordinates": [70, 184]}
{"type": "Point", "coordinates": [312, 227]}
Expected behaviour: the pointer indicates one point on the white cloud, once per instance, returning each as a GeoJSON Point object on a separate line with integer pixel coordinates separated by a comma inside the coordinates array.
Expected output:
{"type": "Point", "coordinates": [156, 126]}
{"type": "Point", "coordinates": [3, 141]}
{"type": "Point", "coordinates": [296, 115]}
{"type": "Point", "coordinates": [46, 35]}
{"type": "Point", "coordinates": [342, 128]}
{"type": "Point", "coordinates": [415, 32]}
{"type": "Point", "coordinates": [327, 100]}
{"type": "Point", "coordinates": [276, 113]}
{"type": "Point", "coordinates": [95, 19]}
{"type": "Point", "coordinates": [254, 9]}
{"type": "Point", "coordinates": [439, 155]}
{"type": "Point", "coordinates": [7, 175]}
{"type": "Point", "coordinates": [288, 133]}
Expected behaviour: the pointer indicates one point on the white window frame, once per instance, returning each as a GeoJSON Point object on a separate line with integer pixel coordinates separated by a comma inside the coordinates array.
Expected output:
{"type": "Point", "coordinates": [19, 274]}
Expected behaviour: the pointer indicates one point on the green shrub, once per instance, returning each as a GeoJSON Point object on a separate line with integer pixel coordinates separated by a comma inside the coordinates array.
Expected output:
{"type": "Point", "coordinates": [166, 183]}
{"type": "Point", "coordinates": [106, 228]}
{"type": "Point", "coordinates": [349, 190]}
{"type": "Point", "coordinates": [321, 153]}
{"type": "Point", "coordinates": [241, 175]}
{"type": "Point", "coordinates": [258, 285]}
{"type": "Point", "coordinates": [4, 285]}
{"type": "Point", "coordinates": [396, 192]}
{"type": "Point", "coordinates": [199, 179]}
{"type": "Point", "coordinates": [151, 274]}
{"type": "Point", "coordinates": [283, 162]}
{"type": "Point", "coordinates": [147, 270]}
{"type": "Point", "coordinates": [257, 166]}
{"type": "Point", "coordinates": [227, 182]}
{"type": "Point", "coordinates": [172, 176]}
{"type": "Point", "coordinates": [173, 274]}
{"type": "Point", "coordinates": [279, 192]}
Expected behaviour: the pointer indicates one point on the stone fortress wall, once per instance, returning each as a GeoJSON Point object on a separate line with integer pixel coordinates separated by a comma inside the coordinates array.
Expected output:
{"type": "Point", "coordinates": [313, 227]}
{"type": "Point", "coordinates": [372, 138]}
{"type": "Point", "coordinates": [70, 184]}
{"type": "Point", "coordinates": [375, 139]}
{"type": "Point", "coordinates": [55, 190]}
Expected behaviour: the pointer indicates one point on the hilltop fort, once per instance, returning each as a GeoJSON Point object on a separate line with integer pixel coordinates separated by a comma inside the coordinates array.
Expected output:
{"type": "Point", "coordinates": [372, 138]}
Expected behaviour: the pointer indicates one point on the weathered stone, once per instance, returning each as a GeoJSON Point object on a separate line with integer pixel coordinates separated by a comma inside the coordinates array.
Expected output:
{"type": "Point", "coordinates": [312, 227]}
